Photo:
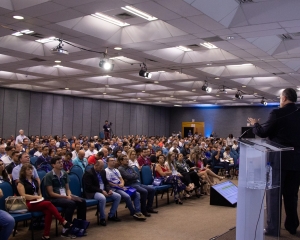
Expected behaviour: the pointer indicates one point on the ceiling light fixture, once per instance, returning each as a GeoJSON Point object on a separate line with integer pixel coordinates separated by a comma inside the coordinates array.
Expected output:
{"type": "Point", "coordinates": [217, 78]}
{"type": "Point", "coordinates": [104, 93]}
{"type": "Point", "coordinates": [208, 64]}
{"type": "Point", "coordinates": [110, 19]}
{"type": "Point", "coordinates": [244, 86]}
{"type": "Point", "coordinates": [208, 45]}
{"type": "Point", "coordinates": [206, 88]}
{"type": "Point", "coordinates": [118, 48]}
{"type": "Point", "coordinates": [239, 95]}
{"type": "Point", "coordinates": [18, 17]}
{"type": "Point", "coordinates": [106, 63]}
{"type": "Point", "coordinates": [193, 90]}
{"type": "Point", "coordinates": [27, 31]}
{"type": "Point", "coordinates": [230, 38]}
{"type": "Point", "coordinates": [241, 65]}
{"type": "Point", "coordinates": [143, 72]}
{"type": "Point", "coordinates": [139, 13]}
{"type": "Point", "coordinates": [57, 66]}
{"type": "Point", "coordinates": [264, 102]}
{"type": "Point", "coordinates": [156, 81]}
{"type": "Point", "coordinates": [194, 100]}
{"type": "Point", "coordinates": [143, 91]}
{"type": "Point", "coordinates": [57, 61]}
{"type": "Point", "coordinates": [176, 105]}
{"type": "Point", "coordinates": [185, 49]}
{"type": "Point", "coordinates": [17, 34]}
{"type": "Point", "coordinates": [161, 71]}
{"type": "Point", "coordinates": [46, 40]}
{"type": "Point", "coordinates": [67, 88]}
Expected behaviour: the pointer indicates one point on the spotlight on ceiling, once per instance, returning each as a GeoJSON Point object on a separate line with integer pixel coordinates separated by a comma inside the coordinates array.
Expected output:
{"type": "Point", "coordinates": [264, 102]}
{"type": "Point", "coordinates": [206, 88]}
{"type": "Point", "coordinates": [143, 72]}
{"type": "Point", "coordinates": [106, 64]}
{"type": "Point", "coordinates": [239, 95]}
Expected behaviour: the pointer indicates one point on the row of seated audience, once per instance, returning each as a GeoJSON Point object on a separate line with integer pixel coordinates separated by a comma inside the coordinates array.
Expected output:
{"type": "Point", "coordinates": [186, 164]}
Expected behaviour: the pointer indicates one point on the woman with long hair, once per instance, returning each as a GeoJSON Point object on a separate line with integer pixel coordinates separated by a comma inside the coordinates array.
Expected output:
{"type": "Point", "coordinates": [133, 159]}
{"type": "Point", "coordinates": [3, 173]}
{"type": "Point", "coordinates": [168, 178]}
{"type": "Point", "coordinates": [29, 188]}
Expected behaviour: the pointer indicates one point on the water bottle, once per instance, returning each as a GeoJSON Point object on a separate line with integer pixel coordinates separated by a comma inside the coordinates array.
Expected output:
{"type": "Point", "coordinates": [268, 176]}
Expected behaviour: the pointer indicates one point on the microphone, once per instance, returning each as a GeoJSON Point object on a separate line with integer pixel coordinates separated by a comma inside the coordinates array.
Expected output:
{"type": "Point", "coordinates": [267, 123]}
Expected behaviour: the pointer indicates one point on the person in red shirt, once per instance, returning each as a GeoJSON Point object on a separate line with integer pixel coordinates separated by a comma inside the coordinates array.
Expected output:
{"type": "Point", "coordinates": [143, 159]}
{"type": "Point", "coordinates": [94, 158]}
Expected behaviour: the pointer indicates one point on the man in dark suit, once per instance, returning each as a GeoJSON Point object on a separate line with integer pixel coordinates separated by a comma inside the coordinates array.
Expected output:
{"type": "Point", "coordinates": [283, 127]}
{"type": "Point", "coordinates": [97, 187]}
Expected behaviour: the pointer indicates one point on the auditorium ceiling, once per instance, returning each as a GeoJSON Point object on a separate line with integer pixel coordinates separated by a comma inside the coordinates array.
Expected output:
{"type": "Point", "coordinates": [246, 47]}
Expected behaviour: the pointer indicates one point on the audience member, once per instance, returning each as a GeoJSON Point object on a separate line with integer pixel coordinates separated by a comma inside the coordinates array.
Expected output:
{"type": "Point", "coordinates": [80, 160]}
{"type": "Point", "coordinates": [7, 222]}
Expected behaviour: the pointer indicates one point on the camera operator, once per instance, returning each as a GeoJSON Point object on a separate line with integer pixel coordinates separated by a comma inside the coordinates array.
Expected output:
{"type": "Point", "coordinates": [106, 129]}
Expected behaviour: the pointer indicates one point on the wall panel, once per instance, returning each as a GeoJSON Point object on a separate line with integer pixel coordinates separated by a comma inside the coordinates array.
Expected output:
{"type": "Point", "coordinates": [57, 116]}
{"type": "Point", "coordinates": [35, 119]}
{"type": "Point", "coordinates": [145, 119]}
{"type": "Point", "coordinates": [95, 121]}
{"type": "Point", "coordinates": [133, 119]}
{"type": "Point", "coordinates": [119, 119]}
{"type": "Point", "coordinates": [68, 116]}
{"type": "Point", "coordinates": [47, 114]}
{"type": "Point", "coordinates": [126, 119]}
{"type": "Point", "coordinates": [140, 120]}
{"type": "Point", "coordinates": [87, 117]}
{"type": "Point", "coordinates": [103, 113]}
{"type": "Point", "coordinates": [157, 121]}
{"type": "Point", "coordinates": [162, 121]}
{"type": "Point", "coordinates": [78, 116]}
{"type": "Point", "coordinates": [2, 94]}
{"type": "Point", "coordinates": [112, 108]}
{"type": "Point", "coordinates": [10, 113]}
{"type": "Point", "coordinates": [23, 112]}
{"type": "Point", "coordinates": [151, 115]}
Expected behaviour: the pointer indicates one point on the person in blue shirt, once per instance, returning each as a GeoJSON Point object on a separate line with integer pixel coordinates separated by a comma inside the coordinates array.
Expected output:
{"type": "Point", "coordinates": [80, 160]}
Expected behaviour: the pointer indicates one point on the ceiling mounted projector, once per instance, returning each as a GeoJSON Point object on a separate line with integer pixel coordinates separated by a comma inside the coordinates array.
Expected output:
{"type": "Point", "coordinates": [59, 49]}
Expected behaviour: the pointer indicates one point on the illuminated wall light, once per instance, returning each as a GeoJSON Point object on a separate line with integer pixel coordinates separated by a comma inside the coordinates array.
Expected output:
{"type": "Point", "coordinates": [185, 49]}
{"type": "Point", "coordinates": [118, 48]}
{"type": "Point", "coordinates": [217, 78]}
{"type": "Point", "coordinates": [110, 19]}
{"type": "Point", "coordinates": [139, 13]}
{"type": "Point", "coordinates": [17, 34]}
{"type": "Point", "coordinates": [208, 45]}
{"type": "Point", "coordinates": [57, 61]}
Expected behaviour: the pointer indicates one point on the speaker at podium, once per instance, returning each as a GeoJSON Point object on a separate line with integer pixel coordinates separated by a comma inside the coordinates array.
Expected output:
{"type": "Point", "coordinates": [224, 194]}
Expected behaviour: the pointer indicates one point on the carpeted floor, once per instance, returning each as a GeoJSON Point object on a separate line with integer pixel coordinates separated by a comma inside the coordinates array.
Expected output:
{"type": "Point", "coordinates": [195, 219]}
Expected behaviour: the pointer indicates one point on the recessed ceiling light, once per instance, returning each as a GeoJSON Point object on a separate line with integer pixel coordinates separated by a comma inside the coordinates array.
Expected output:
{"type": "Point", "coordinates": [176, 105]}
{"type": "Point", "coordinates": [110, 19]}
{"type": "Point", "coordinates": [57, 61]}
{"type": "Point", "coordinates": [143, 91]}
{"type": "Point", "coordinates": [241, 65]}
{"type": "Point", "coordinates": [161, 71]}
{"type": "Point", "coordinates": [208, 45]}
{"type": "Point", "coordinates": [17, 34]}
{"type": "Point", "coordinates": [106, 76]}
{"type": "Point", "coordinates": [171, 96]}
{"type": "Point", "coordinates": [185, 49]}
{"type": "Point", "coordinates": [156, 81]}
{"type": "Point", "coordinates": [208, 64]}
{"type": "Point", "coordinates": [230, 38]}
{"type": "Point", "coordinates": [104, 93]}
{"type": "Point", "coordinates": [244, 86]}
{"type": "Point", "coordinates": [118, 48]}
{"type": "Point", "coordinates": [217, 95]}
{"type": "Point", "coordinates": [67, 88]}
{"type": "Point", "coordinates": [46, 40]}
{"type": "Point", "coordinates": [139, 98]}
{"type": "Point", "coordinates": [57, 66]}
{"type": "Point", "coordinates": [139, 13]}
{"type": "Point", "coordinates": [18, 17]}
{"type": "Point", "coordinates": [193, 90]}
{"type": "Point", "coordinates": [194, 100]}
{"type": "Point", "coordinates": [217, 78]}
{"type": "Point", "coordinates": [116, 57]}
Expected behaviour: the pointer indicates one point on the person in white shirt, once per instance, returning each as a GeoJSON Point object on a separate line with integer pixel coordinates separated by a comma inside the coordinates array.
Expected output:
{"type": "Point", "coordinates": [75, 152]}
{"type": "Point", "coordinates": [132, 159]}
{"type": "Point", "coordinates": [235, 145]}
{"type": "Point", "coordinates": [39, 151]}
{"type": "Point", "coordinates": [90, 151]}
{"type": "Point", "coordinates": [175, 146]}
{"type": "Point", "coordinates": [7, 158]}
{"type": "Point", "coordinates": [20, 138]}
{"type": "Point", "coordinates": [230, 140]}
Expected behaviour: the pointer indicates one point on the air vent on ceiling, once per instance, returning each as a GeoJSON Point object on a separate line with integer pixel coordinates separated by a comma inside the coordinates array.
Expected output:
{"type": "Point", "coordinates": [297, 34]}
{"type": "Point", "coordinates": [285, 36]}
{"type": "Point", "coordinates": [149, 82]}
{"type": "Point", "coordinates": [280, 73]}
{"type": "Point", "coordinates": [212, 39]}
{"type": "Point", "coordinates": [37, 35]}
{"type": "Point", "coordinates": [244, 1]}
{"type": "Point", "coordinates": [151, 60]}
{"type": "Point", "coordinates": [37, 59]}
{"type": "Point", "coordinates": [124, 16]}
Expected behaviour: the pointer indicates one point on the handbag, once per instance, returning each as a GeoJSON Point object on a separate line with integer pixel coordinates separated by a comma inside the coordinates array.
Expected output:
{"type": "Point", "coordinates": [16, 204]}
{"type": "Point", "coordinates": [79, 227]}
{"type": "Point", "coordinates": [158, 181]}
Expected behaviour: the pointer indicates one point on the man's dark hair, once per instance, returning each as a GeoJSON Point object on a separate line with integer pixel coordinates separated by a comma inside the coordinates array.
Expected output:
{"type": "Point", "coordinates": [144, 149]}
{"type": "Point", "coordinates": [15, 152]}
{"type": "Point", "coordinates": [290, 94]}
{"type": "Point", "coordinates": [100, 154]}
{"type": "Point", "coordinates": [55, 159]}
{"type": "Point", "coordinates": [44, 147]}
{"type": "Point", "coordinates": [8, 148]}
{"type": "Point", "coordinates": [69, 154]}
